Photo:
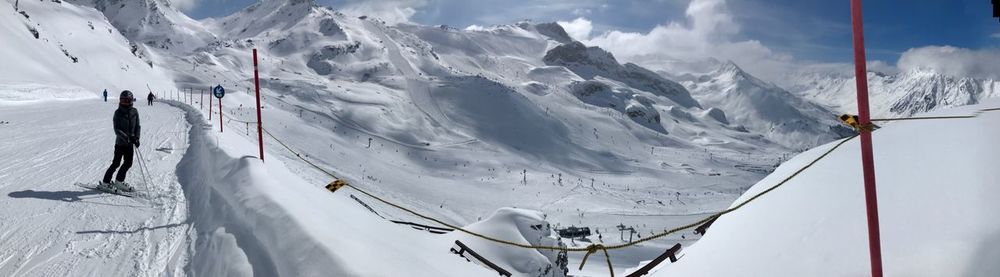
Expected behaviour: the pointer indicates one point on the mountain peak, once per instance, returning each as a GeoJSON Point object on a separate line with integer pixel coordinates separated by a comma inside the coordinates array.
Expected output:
{"type": "Point", "coordinates": [576, 52]}
{"type": "Point", "coordinates": [730, 67]}
{"type": "Point", "coordinates": [554, 31]}
{"type": "Point", "coordinates": [276, 4]}
{"type": "Point", "coordinates": [265, 15]}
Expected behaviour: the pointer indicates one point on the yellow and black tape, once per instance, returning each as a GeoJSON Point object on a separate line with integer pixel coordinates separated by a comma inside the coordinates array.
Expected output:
{"type": "Point", "coordinates": [853, 121]}
{"type": "Point", "coordinates": [335, 185]}
{"type": "Point", "coordinates": [850, 120]}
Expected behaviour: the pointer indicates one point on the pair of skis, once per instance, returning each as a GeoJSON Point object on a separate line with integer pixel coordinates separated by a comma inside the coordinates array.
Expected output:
{"type": "Point", "coordinates": [108, 188]}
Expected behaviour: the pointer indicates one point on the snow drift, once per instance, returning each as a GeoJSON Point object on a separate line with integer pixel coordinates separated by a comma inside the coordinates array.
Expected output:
{"type": "Point", "coordinates": [937, 182]}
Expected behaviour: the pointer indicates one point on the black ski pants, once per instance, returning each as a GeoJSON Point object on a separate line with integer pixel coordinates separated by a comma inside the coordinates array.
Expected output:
{"type": "Point", "coordinates": [121, 151]}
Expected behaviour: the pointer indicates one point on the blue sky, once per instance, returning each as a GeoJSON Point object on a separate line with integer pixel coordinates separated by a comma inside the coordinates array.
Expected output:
{"type": "Point", "coordinates": [799, 31]}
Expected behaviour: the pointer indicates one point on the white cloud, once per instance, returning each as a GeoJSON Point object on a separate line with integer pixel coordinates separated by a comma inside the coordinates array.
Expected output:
{"type": "Point", "coordinates": [184, 5]}
{"type": "Point", "coordinates": [955, 61]}
{"type": "Point", "coordinates": [996, 35]}
{"type": "Point", "coordinates": [578, 29]}
{"type": "Point", "coordinates": [391, 11]}
{"type": "Point", "coordinates": [475, 28]}
{"type": "Point", "coordinates": [707, 33]}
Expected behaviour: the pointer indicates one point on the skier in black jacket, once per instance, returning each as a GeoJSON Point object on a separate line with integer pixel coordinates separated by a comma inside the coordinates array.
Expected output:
{"type": "Point", "coordinates": [126, 125]}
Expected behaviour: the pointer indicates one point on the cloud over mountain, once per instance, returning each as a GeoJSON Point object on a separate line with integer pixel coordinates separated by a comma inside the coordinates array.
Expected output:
{"type": "Point", "coordinates": [955, 61]}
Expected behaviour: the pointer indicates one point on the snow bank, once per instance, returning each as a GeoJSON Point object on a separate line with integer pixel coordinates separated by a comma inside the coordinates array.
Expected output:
{"type": "Point", "coordinates": [259, 218]}
{"type": "Point", "coordinates": [521, 226]}
{"type": "Point", "coordinates": [937, 187]}
{"type": "Point", "coordinates": [31, 93]}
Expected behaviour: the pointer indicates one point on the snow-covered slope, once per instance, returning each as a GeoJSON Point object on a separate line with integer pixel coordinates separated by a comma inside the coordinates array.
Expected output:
{"type": "Point", "coordinates": [152, 23]}
{"type": "Point", "coordinates": [764, 108]}
{"type": "Point", "coordinates": [901, 94]}
{"type": "Point", "coordinates": [57, 43]}
{"type": "Point", "coordinates": [453, 113]}
{"type": "Point", "coordinates": [264, 16]}
{"type": "Point", "coordinates": [51, 227]}
{"type": "Point", "coordinates": [936, 201]}
{"type": "Point", "coordinates": [437, 101]}
{"type": "Point", "coordinates": [589, 62]}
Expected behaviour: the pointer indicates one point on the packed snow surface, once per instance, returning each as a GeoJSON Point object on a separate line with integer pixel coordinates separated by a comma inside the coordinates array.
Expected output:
{"type": "Point", "coordinates": [49, 226]}
{"type": "Point", "coordinates": [936, 180]}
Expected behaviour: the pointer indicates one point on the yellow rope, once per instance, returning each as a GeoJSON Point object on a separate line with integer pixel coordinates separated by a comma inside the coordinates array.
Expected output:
{"type": "Point", "coordinates": [973, 115]}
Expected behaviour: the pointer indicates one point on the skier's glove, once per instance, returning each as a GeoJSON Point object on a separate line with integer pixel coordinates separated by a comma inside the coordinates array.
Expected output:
{"type": "Point", "coordinates": [134, 140]}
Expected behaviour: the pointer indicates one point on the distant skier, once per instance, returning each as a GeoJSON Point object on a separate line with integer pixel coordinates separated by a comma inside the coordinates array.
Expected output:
{"type": "Point", "coordinates": [150, 97]}
{"type": "Point", "coordinates": [105, 95]}
{"type": "Point", "coordinates": [126, 125]}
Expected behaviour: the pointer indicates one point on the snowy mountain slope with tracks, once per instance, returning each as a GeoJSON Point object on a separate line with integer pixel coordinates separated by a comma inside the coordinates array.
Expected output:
{"type": "Point", "coordinates": [760, 107]}
{"type": "Point", "coordinates": [453, 113]}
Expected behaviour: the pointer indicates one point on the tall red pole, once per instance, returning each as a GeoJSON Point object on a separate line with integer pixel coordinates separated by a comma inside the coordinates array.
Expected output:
{"type": "Point", "coordinates": [203, 100]}
{"type": "Point", "coordinates": [210, 107]}
{"type": "Point", "coordinates": [867, 160]}
{"type": "Point", "coordinates": [256, 84]}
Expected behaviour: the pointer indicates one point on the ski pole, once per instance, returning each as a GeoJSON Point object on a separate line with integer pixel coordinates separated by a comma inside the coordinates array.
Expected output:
{"type": "Point", "coordinates": [143, 169]}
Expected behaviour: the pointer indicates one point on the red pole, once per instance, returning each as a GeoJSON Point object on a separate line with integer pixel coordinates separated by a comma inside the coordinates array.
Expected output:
{"type": "Point", "coordinates": [210, 107]}
{"type": "Point", "coordinates": [220, 115]}
{"type": "Point", "coordinates": [256, 84]}
{"type": "Point", "coordinates": [867, 160]}
{"type": "Point", "coordinates": [203, 100]}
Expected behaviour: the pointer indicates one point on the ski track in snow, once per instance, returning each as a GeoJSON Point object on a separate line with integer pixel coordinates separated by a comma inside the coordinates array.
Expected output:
{"type": "Point", "coordinates": [52, 227]}
{"type": "Point", "coordinates": [419, 91]}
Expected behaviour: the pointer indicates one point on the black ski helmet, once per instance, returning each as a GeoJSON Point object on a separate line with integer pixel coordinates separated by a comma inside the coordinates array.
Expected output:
{"type": "Point", "coordinates": [127, 95]}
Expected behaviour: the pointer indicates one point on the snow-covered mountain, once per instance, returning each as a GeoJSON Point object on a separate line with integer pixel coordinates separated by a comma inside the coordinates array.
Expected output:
{"type": "Point", "coordinates": [72, 47]}
{"type": "Point", "coordinates": [899, 94]}
{"type": "Point", "coordinates": [429, 116]}
{"type": "Point", "coordinates": [764, 108]}
{"type": "Point", "coordinates": [152, 23]}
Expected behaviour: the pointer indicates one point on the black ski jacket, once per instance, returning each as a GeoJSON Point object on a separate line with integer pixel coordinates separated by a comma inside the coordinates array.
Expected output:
{"type": "Point", "coordinates": [126, 122]}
